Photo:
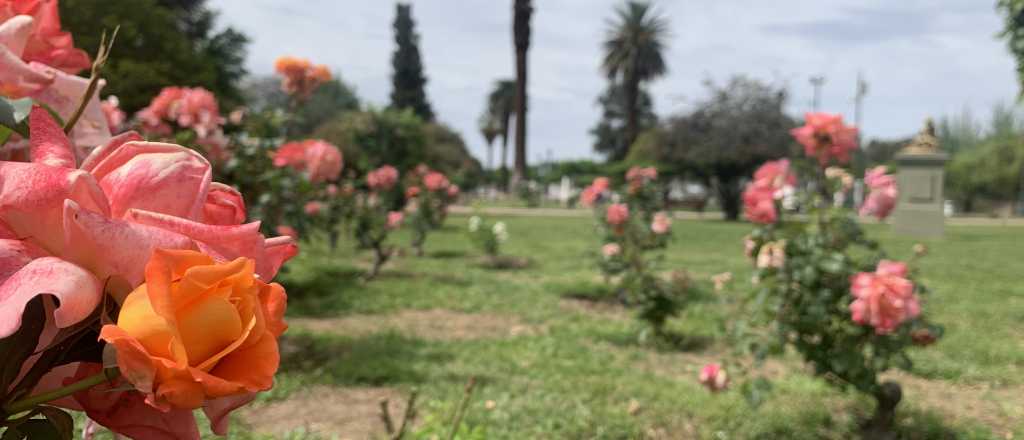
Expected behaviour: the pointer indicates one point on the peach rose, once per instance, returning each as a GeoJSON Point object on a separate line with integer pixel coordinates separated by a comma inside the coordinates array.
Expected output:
{"type": "Point", "coordinates": [395, 219]}
{"type": "Point", "coordinates": [198, 330]}
{"type": "Point", "coordinates": [382, 178]}
{"type": "Point", "coordinates": [617, 214]}
{"type": "Point", "coordinates": [319, 160]}
{"type": "Point", "coordinates": [661, 223]}
{"type": "Point", "coordinates": [884, 298]}
{"type": "Point", "coordinates": [826, 137]}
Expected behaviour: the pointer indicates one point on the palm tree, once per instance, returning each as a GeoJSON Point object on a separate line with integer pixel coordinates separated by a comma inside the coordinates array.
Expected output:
{"type": "Point", "coordinates": [501, 105]}
{"type": "Point", "coordinates": [522, 10]}
{"type": "Point", "coordinates": [490, 128]}
{"type": "Point", "coordinates": [632, 54]}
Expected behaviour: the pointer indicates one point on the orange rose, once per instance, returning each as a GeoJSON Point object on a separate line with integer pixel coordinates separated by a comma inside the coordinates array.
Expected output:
{"type": "Point", "coordinates": [198, 330]}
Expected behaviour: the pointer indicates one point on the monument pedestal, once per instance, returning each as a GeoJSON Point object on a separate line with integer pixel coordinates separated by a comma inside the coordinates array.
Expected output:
{"type": "Point", "coordinates": [919, 210]}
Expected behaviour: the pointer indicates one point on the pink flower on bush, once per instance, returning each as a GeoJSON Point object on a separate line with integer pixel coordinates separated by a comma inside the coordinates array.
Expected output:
{"type": "Point", "coordinates": [885, 298]}
{"type": "Point", "coordinates": [38, 60]}
{"type": "Point", "coordinates": [601, 184]}
{"type": "Point", "coordinates": [395, 219]}
{"type": "Point", "coordinates": [313, 207]}
{"type": "Point", "coordinates": [661, 223]}
{"type": "Point", "coordinates": [435, 181]}
{"type": "Point", "coordinates": [453, 191]}
{"type": "Point", "coordinates": [775, 174]}
{"type": "Point", "coordinates": [617, 214]}
{"type": "Point", "coordinates": [319, 160]}
{"type": "Point", "coordinates": [759, 204]}
{"type": "Point", "coordinates": [287, 231]}
{"type": "Point", "coordinates": [412, 192]}
{"type": "Point", "coordinates": [113, 113]}
{"type": "Point", "coordinates": [881, 199]}
{"type": "Point", "coordinates": [187, 107]}
{"type": "Point", "coordinates": [589, 196]}
{"type": "Point", "coordinates": [825, 137]}
{"type": "Point", "coordinates": [610, 250]}
{"type": "Point", "coordinates": [714, 377]}
{"type": "Point", "coordinates": [382, 178]}
{"type": "Point", "coordinates": [642, 173]}
{"type": "Point", "coordinates": [80, 231]}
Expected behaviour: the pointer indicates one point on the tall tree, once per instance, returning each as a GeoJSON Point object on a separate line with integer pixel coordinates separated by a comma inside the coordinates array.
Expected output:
{"type": "Point", "coordinates": [723, 140]}
{"type": "Point", "coordinates": [522, 10]}
{"type": "Point", "coordinates": [489, 129]}
{"type": "Point", "coordinates": [191, 52]}
{"type": "Point", "coordinates": [610, 132]}
{"type": "Point", "coordinates": [407, 79]}
{"type": "Point", "coordinates": [501, 105]}
{"type": "Point", "coordinates": [1013, 32]}
{"type": "Point", "coordinates": [633, 55]}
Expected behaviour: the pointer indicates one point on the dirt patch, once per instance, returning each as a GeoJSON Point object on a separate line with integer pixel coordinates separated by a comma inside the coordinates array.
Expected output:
{"type": "Point", "coordinates": [434, 324]}
{"type": "Point", "coordinates": [345, 413]}
{"type": "Point", "coordinates": [605, 309]}
{"type": "Point", "coordinates": [1000, 409]}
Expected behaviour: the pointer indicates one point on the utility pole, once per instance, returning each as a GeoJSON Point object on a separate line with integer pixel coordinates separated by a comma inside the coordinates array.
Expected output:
{"type": "Point", "coordinates": [817, 81]}
{"type": "Point", "coordinates": [858, 108]}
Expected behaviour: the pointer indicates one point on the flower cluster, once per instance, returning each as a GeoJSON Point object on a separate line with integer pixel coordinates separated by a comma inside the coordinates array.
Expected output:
{"type": "Point", "coordinates": [134, 223]}
{"type": "Point", "coordinates": [428, 194]}
{"type": "Point", "coordinates": [821, 284]}
{"type": "Point", "coordinates": [319, 160]}
{"type": "Point", "coordinates": [192, 109]}
{"type": "Point", "coordinates": [299, 77]}
{"type": "Point", "coordinates": [488, 238]}
{"type": "Point", "coordinates": [375, 210]}
{"type": "Point", "coordinates": [632, 228]}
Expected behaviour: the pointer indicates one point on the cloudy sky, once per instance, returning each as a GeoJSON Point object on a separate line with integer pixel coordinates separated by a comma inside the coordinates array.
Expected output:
{"type": "Point", "coordinates": [920, 57]}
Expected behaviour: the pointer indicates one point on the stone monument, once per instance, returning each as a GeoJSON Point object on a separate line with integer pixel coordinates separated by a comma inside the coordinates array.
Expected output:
{"type": "Point", "coordinates": [919, 211]}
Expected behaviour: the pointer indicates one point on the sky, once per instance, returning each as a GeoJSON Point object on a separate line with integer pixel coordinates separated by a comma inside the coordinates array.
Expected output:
{"type": "Point", "coordinates": [921, 58]}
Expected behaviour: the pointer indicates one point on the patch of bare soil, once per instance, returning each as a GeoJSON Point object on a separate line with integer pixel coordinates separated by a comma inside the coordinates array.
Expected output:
{"type": "Point", "coordinates": [333, 412]}
{"type": "Point", "coordinates": [1000, 409]}
{"type": "Point", "coordinates": [433, 324]}
{"type": "Point", "coordinates": [604, 309]}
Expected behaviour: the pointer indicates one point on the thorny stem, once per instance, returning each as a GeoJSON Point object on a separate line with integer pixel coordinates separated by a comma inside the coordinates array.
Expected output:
{"type": "Point", "coordinates": [94, 78]}
{"type": "Point", "coordinates": [460, 411]}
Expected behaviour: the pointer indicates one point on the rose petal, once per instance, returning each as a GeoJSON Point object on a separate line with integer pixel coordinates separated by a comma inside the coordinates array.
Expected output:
{"type": "Point", "coordinates": [64, 96]}
{"type": "Point", "coordinates": [78, 291]}
{"type": "Point", "coordinates": [49, 145]}
{"type": "Point", "coordinates": [224, 206]}
{"type": "Point", "coordinates": [217, 410]}
{"type": "Point", "coordinates": [17, 78]}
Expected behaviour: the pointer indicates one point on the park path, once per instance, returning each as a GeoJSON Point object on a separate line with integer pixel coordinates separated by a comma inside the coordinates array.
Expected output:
{"type": "Point", "coordinates": [691, 215]}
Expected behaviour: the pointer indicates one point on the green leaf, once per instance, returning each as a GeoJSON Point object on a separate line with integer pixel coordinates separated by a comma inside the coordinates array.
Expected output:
{"type": "Point", "coordinates": [60, 420]}
{"type": "Point", "coordinates": [14, 114]}
{"type": "Point", "coordinates": [5, 134]}
{"type": "Point", "coordinates": [16, 348]}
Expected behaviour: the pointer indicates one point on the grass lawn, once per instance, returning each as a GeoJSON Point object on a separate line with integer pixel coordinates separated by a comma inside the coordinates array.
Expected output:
{"type": "Point", "coordinates": [549, 366]}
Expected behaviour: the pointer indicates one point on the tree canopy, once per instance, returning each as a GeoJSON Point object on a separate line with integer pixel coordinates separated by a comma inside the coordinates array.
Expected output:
{"type": "Point", "coordinates": [191, 52]}
{"type": "Point", "coordinates": [610, 137]}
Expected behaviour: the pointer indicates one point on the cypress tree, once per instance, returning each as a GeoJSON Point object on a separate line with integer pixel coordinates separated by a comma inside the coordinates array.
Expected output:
{"type": "Point", "coordinates": [407, 78]}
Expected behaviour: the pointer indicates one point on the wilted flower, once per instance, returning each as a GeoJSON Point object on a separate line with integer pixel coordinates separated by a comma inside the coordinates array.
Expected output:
{"type": "Point", "coordinates": [772, 255]}
{"type": "Point", "coordinates": [610, 250]}
{"type": "Point", "coordinates": [920, 249]}
{"type": "Point", "coordinates": [661, 223]}
{"type": "Point", "coordinates": [825, 137]}
{"type": "Point", "coordinates": [714, 377]}
{"type": "Point", "coordinates": [748, 246]}
{"type": "Point", "coordinates": [720, 280]}
{"type": "Point", "coordinates": [237, 116]}
{"type": "Point", "coordinates": [923, 337]}
{"type": "Point", "coordinates": [884, 298]}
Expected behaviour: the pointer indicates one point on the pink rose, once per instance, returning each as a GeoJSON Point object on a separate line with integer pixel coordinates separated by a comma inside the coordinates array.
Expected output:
{"type": "Point", "coordinates": [713, 377]}
{"type": "Point", "coordinates": [610, 250]}
{"type": "Point", "coordinates": [332, 189]}
{"type": "Point", "coordinates": [642, 173]}
{"type": "Point", "coordinates": [881, 199]}
{"type": "Point", "coordinates": [383, 178]}
{"type": "Point", "coordinates": [589, 196]}
{"type": "Point", "coordinates": [395, 219]}
{"type": "Point", "coordinates": [17, 78]}
{"type": "Point", "coordinates": [313, 208]}
{"type": "Point", "coordinates": [617, 214]}
{"type": "Point", "coordinates": [412, 192]}
{"type": "Point", "coordinates": [78, 232]}
{"type": "Point", "coordinates": [601, 184]}
{"type": "Point", "coordinates": [453, 191]}
{"type": "Point", "coordinates": [435, 181]}
{"type": "Point", "coordinates": [320, 160]}
{"type": "Point", "coordinates": [47, 43]}
{"type": "Point", "coordinates": [661, 223]}
{"type": "Point", "coordinates": [824, 136]}
{"type": "Point", "coordinates": [775, 174]}
{"type": "Point", "coordinates": [186, 107]}
{"type": "Point", "coordinates": [759, 204]}
{"type": "Point", "coordinates": [885, 298]}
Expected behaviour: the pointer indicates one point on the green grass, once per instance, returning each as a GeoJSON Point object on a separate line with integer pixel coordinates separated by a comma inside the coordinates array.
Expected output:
{"type": "Point", "coordinates": [577, 377]}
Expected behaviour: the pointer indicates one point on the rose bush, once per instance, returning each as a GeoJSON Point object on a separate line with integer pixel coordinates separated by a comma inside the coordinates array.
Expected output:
{"type": "Point", "coordinates": [427, 198]}
{"type": "Point", "coordinates": [822, 286]}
